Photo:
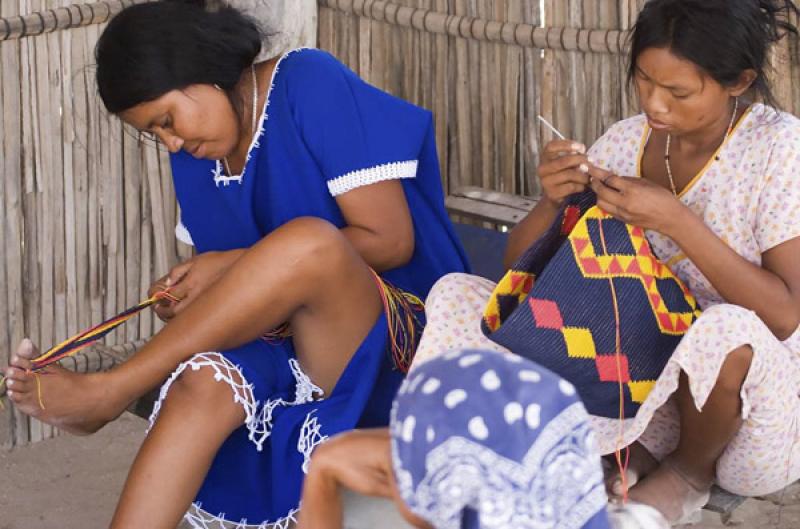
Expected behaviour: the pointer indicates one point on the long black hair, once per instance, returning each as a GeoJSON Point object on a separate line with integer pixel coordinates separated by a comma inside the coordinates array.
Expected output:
{"type": "Point", "coordinates": [150, 49]}
{"type": "Point", "coordinates": [723, 37]}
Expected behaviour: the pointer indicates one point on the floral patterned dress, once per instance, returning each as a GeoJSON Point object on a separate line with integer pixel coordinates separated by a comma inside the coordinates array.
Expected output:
{"type": "Point", "coordinates": [749, 195]}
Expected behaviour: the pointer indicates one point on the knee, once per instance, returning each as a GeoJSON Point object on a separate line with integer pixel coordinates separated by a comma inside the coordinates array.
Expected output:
{"type": "Point", "coordinates": [313, 229]}
{"type": "Point", "coordinates": [311, 243]}
{"type": "Point", "coordinates": [442, 287]}
{"type": "Point", "coordinates": [459, 283]}
{"type": "Point", "coordinates": [199, 388]}
{"type": "Point", "coordinates": [735, 369]}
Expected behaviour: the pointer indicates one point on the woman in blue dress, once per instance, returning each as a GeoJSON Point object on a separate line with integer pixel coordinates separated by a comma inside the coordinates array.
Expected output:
{"type": "Point", "coordinates": [315, 205]}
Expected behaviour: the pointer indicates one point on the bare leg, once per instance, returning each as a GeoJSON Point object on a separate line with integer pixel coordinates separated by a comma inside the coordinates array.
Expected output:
{"type": "Point", "coordinates": [305, 272]}
{"type": "Point", "coordinates": [196, 418]}
{"type": "Point", "coordinates": [683, 480]}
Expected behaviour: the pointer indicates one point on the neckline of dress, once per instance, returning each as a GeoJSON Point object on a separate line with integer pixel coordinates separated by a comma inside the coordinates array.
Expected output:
{"type": "Point", "coordinates": [648, 132]}
{"type": "Point", "coordinates": [220, 178]}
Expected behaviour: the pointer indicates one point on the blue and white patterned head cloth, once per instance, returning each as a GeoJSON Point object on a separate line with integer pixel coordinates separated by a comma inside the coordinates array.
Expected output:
{"type": "Point", "coordinates": [485, 440]}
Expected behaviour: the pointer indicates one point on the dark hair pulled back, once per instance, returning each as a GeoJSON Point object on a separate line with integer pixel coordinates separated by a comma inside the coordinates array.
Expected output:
{"type": "Point", "coordinates": [150, 49]}
{"type": "Point", "coordinates": [722, 37]}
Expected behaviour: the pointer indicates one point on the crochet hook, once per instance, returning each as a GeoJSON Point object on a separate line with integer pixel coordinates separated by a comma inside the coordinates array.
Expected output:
{"type": "Point", "coordinates": [552, 128]}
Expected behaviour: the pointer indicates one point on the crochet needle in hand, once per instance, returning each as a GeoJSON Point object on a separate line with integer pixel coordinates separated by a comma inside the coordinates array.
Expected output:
{"type": "Point", "coordinates": [552, 128]}
{"type": "Point", "coordinates": [561, 136]}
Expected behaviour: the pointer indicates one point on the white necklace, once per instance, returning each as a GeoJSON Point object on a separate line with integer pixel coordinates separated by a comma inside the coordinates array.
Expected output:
{"type": "Point", "coordinates": [724, 139]}
{"type": "Point", "coordinates": [252, 115]}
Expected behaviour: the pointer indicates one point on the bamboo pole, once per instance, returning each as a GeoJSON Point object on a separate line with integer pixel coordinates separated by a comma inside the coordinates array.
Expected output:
{"type": "Point", "coordinates": [68, 17]}
{"type": "Point", "coordinates": [484, 30]}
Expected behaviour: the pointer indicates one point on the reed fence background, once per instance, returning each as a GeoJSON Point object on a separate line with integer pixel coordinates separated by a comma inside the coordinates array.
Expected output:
{"type": "Point", "coordinates": [87, 212]}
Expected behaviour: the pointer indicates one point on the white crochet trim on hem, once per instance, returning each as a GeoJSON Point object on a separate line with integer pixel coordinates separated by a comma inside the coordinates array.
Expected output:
{"type": "Point", "coordinates": [218, 173]}
{"type": "Point", "coordinates": [224, 371]}
{"type": "Point", "coordinates": [258, 418]}
{"type": "Point", "coordinates": [200, 519]}
{"type": "Point", "coordinates": [310, 438]}
{"type": "Point", "coordinates": [305, 392]}
{"type": "Point", "coordinates": [182, 234]}
{"type": "Point", "coordinates": [373, 175]}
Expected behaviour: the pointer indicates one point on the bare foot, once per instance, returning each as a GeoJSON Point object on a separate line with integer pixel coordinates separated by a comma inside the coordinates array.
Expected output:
{"type": "Point", "coordinates": [675, 494]}
{"type": "Point", "coordinates": [640, 464]}
{"type": "Point", "coordinates": [78, 404]}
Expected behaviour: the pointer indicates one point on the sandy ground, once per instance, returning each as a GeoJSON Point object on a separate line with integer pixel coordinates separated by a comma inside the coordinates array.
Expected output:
{"type": "Point", "coordinates": [73, 483]}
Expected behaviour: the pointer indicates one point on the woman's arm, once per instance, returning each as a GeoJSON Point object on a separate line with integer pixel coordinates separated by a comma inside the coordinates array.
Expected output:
{"type": "Point", "coordinates": [322, 502]}
{"type": "Point", "coordinates": [529, 230]}
{"type": "Point", "coordinates": [359, 460]}
{"type": "Point", "coordinates": [379, 224]}
{"type": "Point", "coordinates": [772, 290]}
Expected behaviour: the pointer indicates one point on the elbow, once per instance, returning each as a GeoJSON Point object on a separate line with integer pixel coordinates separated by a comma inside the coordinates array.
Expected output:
{"type": "Point", "coordinates": [788, 325]}
{"type": "Point", "coordinates": [404, 250]}
{"type": "Point", "coordinates": [511, 256]}
{"type": "Point", "coordinates": [396, 252]}
{"type": "Point", "coordinates": [512, 253]}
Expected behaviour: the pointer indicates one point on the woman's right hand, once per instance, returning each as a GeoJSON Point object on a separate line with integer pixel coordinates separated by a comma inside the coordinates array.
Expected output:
{"type": "Point", "coordinates": [164, 308]}
{"type": "Point", "coordinates": [564, 170]}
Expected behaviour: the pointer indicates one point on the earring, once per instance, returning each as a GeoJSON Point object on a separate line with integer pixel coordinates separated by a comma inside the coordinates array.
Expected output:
{"type": "Point", "coordinates": [217, 87]}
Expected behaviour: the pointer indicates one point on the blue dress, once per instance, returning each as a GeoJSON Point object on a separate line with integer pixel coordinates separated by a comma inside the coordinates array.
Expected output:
{"type": "Point", "coordinates": [323, 132]}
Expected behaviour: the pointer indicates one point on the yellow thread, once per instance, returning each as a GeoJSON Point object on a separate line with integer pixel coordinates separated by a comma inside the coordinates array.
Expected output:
{"type": "Point", "coordinates": [39, 390]}
{"type": "Point", "coordinates": [401, 322]}
{"type": "Point", "coordinates": [676, 259]}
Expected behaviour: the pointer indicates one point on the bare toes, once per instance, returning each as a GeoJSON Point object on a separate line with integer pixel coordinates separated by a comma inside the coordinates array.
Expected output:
{"type": "Point", "coordinates": [16, 397]}
{"type": "Point", "coordinates": [26, 352]}
{"type": "Point", "coordinates": [19, 386]}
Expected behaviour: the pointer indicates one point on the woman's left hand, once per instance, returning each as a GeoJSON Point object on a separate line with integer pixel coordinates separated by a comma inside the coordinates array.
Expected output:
{"type": "Point", "coordinates": [187, 280]}
{"type": "Point", "coordinates": [638, 202]}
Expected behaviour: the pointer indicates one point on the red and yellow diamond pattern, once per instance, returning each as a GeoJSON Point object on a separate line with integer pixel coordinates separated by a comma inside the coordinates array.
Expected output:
{"type": "Point", "coordinates": [595, 261]}
{"type": "Point", "coordinates": [581, 345]}
{"type": "Point", "coordinates": [643, 266]}
{"type": "Point", "coordinates": [514, 285]}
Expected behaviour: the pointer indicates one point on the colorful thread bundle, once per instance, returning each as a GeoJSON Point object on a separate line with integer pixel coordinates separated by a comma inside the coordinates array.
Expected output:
{"type": "Point", "coordinates": [90, 336]}
{"type": "Point", "coordinates": [400, 308]}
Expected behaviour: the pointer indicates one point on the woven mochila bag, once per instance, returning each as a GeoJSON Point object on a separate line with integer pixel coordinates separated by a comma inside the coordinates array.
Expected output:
{"type": "Point", "coordinates": [591, 302]}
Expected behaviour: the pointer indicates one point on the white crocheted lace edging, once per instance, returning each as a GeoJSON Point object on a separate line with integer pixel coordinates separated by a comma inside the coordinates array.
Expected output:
{"type": "Point", "coordinates": [224, 371]}
{"type": "Point", "coordinates": [310, 438]}
{"type": "Point", "coordinates": [260, 427]}
{"type": "Point", "coordinates": [220, 178]}
{"type": "Point", "coordinates": [197, 518]}
{"type": "Point", "coordinates": [182, 233]}
{"type": "Point", "coordinates": [373, 175]}
{"type": "Point", "coordinates": [258, 416]}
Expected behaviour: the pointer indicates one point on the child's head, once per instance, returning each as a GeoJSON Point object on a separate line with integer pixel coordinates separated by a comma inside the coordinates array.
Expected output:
{"type": "Point", "coordinates": [170, 67]}
{"type": "Point", "coordinates": [485, 439]}
{"type": "Point", "coordinates": [689, 57]}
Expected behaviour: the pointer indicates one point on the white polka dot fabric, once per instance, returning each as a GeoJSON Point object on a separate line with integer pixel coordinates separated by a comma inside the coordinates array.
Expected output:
{"type": "Point", "coordinates": [483, 439]}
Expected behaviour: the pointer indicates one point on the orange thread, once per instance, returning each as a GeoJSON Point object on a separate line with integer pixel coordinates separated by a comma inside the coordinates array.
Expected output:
{"type": "Point", "coordinates": [401, 322]}
{"type": "Point", "coordinates": [623, 466]}
{"type": "Point", "coordinates": [279, 333]}
{"type": "Point", "coordinates": [39, 390]}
